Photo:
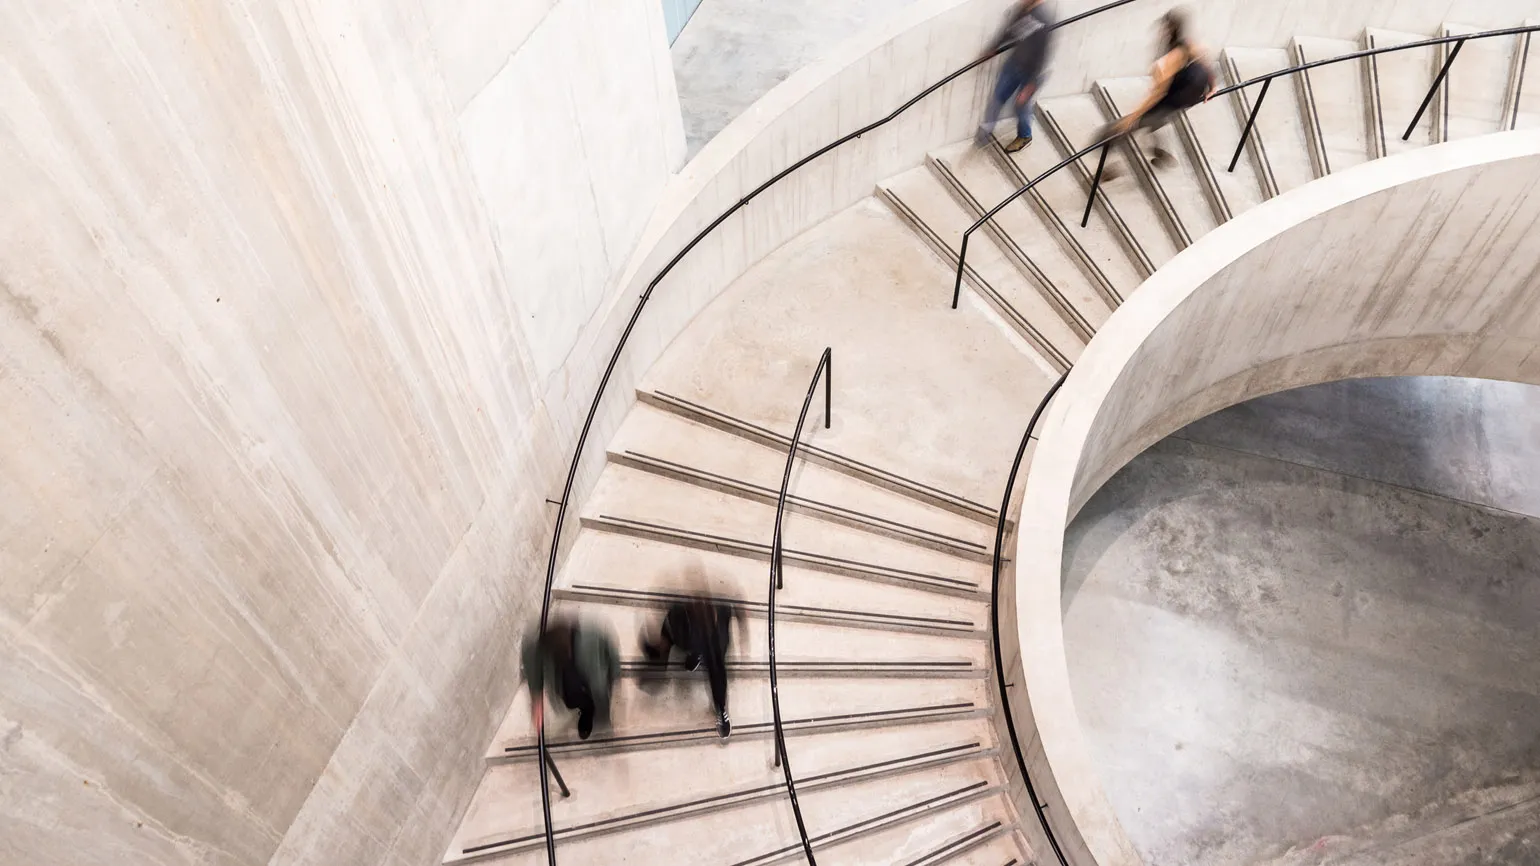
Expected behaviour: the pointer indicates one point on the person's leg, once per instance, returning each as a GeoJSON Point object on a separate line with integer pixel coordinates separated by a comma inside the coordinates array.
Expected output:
{"type": "Point", "coordinates": [1026, 100]}
{"type": "Point", "coordinates": [1152, 124]}
{"type": "Point", "coordinates": [576, 695]}
{"type": "Point", "coordinates": [668, 635]}
{"type": "Point", "coordinates": [1005, 90]}
{"type": "Point", "coordinates": [716, 671]}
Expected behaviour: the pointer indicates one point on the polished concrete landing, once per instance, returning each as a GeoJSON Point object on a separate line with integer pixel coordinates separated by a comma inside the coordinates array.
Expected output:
{"type": "Point", "coordinates": [733, 51]}
{"type": "Point", "coordinates": [1304, 630]}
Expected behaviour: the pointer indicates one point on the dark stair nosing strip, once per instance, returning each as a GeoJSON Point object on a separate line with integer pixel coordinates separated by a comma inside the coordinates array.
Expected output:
{"type": "Point", "coordinates": [1064, 143]}
{"type": "Point", "coordinates": [794, 499]}
{"type": "Point", "coordinates": [856, 828]}
{"type": "Point", "coordinates": [922, 761]}
{"type": "Point", "coordinates": [764, 549]}
{"type": "Point", "coordinates": [957, 846]}
{"type": "Point", "coordinates": [762, 608]}
{"type": "Point", "coordinates": [869, 715]}
{"type": "Point", "coordinates": [808, 448]}
{"type": "Point", "coordinates": [643, 664]}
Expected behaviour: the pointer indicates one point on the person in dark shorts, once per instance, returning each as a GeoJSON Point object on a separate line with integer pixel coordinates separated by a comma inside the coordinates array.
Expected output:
{"type": "Point", "coordinates": [701, 628]}
{"type": "Point", "coordinates": [1029, 28]}
{"type": "Point", "coordinates": [1182, 78]}
{"type": "Point", "coordinates": [575, 663]}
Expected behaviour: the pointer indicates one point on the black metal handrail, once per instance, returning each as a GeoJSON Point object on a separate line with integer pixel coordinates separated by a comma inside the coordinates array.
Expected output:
{"type": "Point", "coordinates": [625, 336]}
{"type": "Point", "coordinates": [825, 369]}
{"type": "Point", "coordinates": [994, 608]}
{"type": "Point", "coordinates": [1266, 81]}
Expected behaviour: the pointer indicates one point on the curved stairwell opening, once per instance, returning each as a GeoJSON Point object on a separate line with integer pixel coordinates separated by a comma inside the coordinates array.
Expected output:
{"type": "Point", "coordinates": [883, 629]}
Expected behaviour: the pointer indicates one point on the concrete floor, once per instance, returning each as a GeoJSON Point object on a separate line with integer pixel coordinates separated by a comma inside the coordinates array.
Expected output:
{"type": "Point", "coordinates": [1304, 630]}
{"type": "Point", "coordinates": [733, 51]}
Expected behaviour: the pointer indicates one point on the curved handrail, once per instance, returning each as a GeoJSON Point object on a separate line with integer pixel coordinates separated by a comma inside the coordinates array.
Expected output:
{"type": "Point", "coordinates": [825, 369]}
{"type": "Point", "coordinates": [625, 336]}
{"type": "Point", "coordinates": [994, 608]}
{"type": "Point", "coordinates": [1264, 80]}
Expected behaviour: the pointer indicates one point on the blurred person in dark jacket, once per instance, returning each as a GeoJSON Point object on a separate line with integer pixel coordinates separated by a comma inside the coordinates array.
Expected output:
{"type": "Point", "coordinates": [575, 663]}
{"type": "Point", "coordinates": [1029, 30]}
{"type": "Point", "coordinates": [701, 628]}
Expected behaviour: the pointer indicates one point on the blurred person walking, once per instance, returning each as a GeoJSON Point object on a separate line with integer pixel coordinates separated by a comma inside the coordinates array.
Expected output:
{"type": "Point", "coordinates": [1182, 78]}
{"type": "Point", "coordinates": [576, 663]}
{"type": "Point", "coordinates": [701, 628]}
{"type": "Point", "coordinates": [1029, 28]}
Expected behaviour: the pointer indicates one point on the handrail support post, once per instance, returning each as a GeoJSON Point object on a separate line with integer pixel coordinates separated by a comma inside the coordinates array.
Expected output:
{"type": "Point", "coordinates": [561, 783]}
{"type": "Point", "coordinates": [1096, 182]}
{"type": "Point", "coordinates": [1438, 80]}
{"type": "Point", "coordinates": [1250, 122]}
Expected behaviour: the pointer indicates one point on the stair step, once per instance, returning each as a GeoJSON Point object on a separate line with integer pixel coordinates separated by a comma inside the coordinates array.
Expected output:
{"type": "Point", "coordinates": [880, 824]}
{"type": "Point", "coordinates": [1278, 140]}
{"type": "Point", "coordinates": [1336, 104]}
{"type": "Point", "coordinates": [1400, 80]}
{"type": "Point", "coordinates": [830, 612]}
{"type": "Point", "coordinates": [715, 417]}
{"type": "Point", "coordinates": [1474, 94]}
{"type": "Point", "coordinates": [1181, 191]}
{"type": "Point", "coordinates": [920, 197]}
{"type": "Point", "coordinates": [1099, 247]}
{"type": "Point", "coordinates": [1524, 98]}
{"type": "Point", "coordinates": [1075, 121]}
{"type": "Point", "coordinates": [615, 792]}
{"type": "Point", "coordinates": [975, 177]}
{"type": "Point", "coordinates": [655, 440]}
{"type": "Point", "coordinates": [680, 714]}
{"type": "Point", "coordinates": [1215, 133]}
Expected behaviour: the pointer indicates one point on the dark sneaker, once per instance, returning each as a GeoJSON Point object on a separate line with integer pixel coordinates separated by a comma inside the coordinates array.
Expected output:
{"type": "Point", "coordinates": [1162, 158]}
{"type": "Point", "coordinates": [724, 725]}
{"type": "Point", "coordinates": [1018, 143]}
{"type": "Point", "coordinates": [585, 725]}
{"type": "Point", "coordinates": [653, 653]}
{"type": "Point", "coordinates": [692, 662]}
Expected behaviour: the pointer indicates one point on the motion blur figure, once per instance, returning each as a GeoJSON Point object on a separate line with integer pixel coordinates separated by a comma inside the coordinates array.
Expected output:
{"type": "Point", "coordinates": [701, 628]}
{"type": "Point", "coordinates": [1182, 78]}
{"type": "Point", "coordinates": [1029, 29]}
{"type": "Point", "coordinates": [576, 663]}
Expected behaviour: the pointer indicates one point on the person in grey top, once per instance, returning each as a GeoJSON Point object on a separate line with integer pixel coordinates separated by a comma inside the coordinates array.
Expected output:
{"type": "Point", "coordinates": [1029, 28]}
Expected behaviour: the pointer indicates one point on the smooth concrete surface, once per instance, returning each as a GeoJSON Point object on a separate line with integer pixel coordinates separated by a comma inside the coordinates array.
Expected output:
{"type": "Point", "coordinates": [282, 290]}
{"type": "Point", "coordinates": [1471, 440]}
{"type": "Point", "coordinates": [1417, 264]}
{"type": "Point", "coordinates": [733, 51]}
{"type": "Point", "coordinates": [1271, 658]}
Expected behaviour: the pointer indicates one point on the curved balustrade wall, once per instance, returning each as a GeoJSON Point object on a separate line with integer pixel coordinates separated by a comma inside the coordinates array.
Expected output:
{"type": "Point", "coordinates": [1419, 264]}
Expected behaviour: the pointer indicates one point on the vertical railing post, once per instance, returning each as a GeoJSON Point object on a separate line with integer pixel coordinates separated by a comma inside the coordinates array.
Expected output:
{"type": "Point", "coordinates": [1442, 73]}
{"type": "Point", "coordinates": [1096, 182]}
{"type": "Point", "coordinates": [550, 764]}
{"type": "Point", "coordinates": [828, 392]}
{"type": "Point", "coordinates": [1250, 122]}
{"type": "Point", "coordinates": [962, 258]}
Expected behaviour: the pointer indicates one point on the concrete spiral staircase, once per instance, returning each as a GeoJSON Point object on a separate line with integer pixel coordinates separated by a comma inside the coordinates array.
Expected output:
{"type": "Point", "coordinates": [882, 635]}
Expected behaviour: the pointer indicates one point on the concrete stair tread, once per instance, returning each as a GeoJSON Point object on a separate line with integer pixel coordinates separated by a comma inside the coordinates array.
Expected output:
{"type": "Point", "coordinates": [1279, 135]}
{"type": "Point", "coordinates": [1074, 121]}
{"type": "Point", "coordinates": [794, 638]}
{"type": "Point", "coordinates": [1182, 191]}
{"type": "Point", "coordinates": [630, 500]}
{"type": "Point", "coordinates": [1336, 105]}
{"type": "Point", "coordinates": [1216, 132]}
{"type": "Point", "coordinates": [618, 790]}
{"type": "Point", "coordinates": [1000, 849]}
{"type": "Point", "coordinates": [977, 174]}
{"type": "Point", "coordinates": [1526, 100]}
{"type": "Point", "coordinates": [920, 196]}
{"type": "Point", "coordinates": [1401, 80]}
{"type": "Point", "coordinates": [1475, 92]}
{"type": "Point", "coordinates": [853, 824]}
{"type": "Point", "coordinates": [665, 442]}
{"type": "Point", "coordinates": [1062, 195]}
{"type": "Point", "coordinates": [949, 835]}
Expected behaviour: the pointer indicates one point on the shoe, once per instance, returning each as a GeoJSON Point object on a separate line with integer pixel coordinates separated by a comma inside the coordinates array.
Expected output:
{"type": "Point", "coordinates": [983, 137]}
{"type": "Point", "coordinates": [1162, 159]}
{"type": "Point", "coordinates": [1018, 143]}
{"type": "Point", "coordinates": [692, 662]}
{"type": "Point", "coordinates": [585, 725]}
{"type": "Point", "coordinates": [724, 725]}
{"type": "Point", "coordinates": [653, 653]}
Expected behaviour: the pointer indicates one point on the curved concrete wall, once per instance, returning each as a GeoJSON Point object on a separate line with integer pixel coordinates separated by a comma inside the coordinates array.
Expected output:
{"type": "Point", "coordinates": [1420, 264]}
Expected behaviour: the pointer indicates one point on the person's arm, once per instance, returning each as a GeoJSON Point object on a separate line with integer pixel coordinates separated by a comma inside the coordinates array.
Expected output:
{"type": "Point", "coordinates": [1003, 38]}
{"type": "Point", "coordinates": [1164, 70]}
{"type": "Point", "coordinates": [1201, 55]}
